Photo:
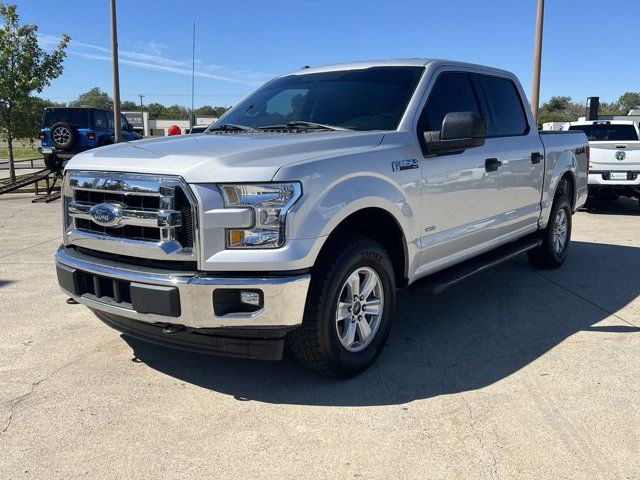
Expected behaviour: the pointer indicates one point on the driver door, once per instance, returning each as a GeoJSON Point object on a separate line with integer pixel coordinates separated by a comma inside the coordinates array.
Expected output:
{"type": "Point", "coordinates": [461, 190]}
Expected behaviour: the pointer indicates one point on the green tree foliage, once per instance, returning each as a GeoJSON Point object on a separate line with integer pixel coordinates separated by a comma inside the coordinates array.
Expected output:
{"type": "Point", "coordinates": [156, 110]}
{"type": "Point", "coordinates": [25, 68]}
{"type": "Point", "coordinates": [209, 111]}
{"type": "Point", "coordinates": [629, 101]}
{"type": "Point", "coordinates": [94, 98]}
{"type": "Point", "coordinates": [129, 106]}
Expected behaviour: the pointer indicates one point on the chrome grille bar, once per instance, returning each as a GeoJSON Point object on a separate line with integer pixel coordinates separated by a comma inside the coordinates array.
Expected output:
{"type": "Point", "coordinates": [141, 218]}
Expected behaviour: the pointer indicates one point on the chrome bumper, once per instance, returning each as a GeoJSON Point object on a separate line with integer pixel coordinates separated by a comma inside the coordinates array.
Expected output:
{"type": "Point", "coordinates": [284, 297]}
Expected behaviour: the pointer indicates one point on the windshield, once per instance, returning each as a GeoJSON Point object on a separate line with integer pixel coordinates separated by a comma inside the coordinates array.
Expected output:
{"type": "Point", "coordinates": [368, 99]}
{"type": "Point", "coordinates": [74, 116]}
{"type": "Point", "coordinates": [603, 132]}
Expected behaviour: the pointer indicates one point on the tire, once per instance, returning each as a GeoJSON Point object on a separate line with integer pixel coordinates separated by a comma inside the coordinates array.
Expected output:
{"type": "Point", "coordinates": [553, 252]}
{"type": "Point", "coordinates": [53, 162]}
{"type": "Point", "coordinates": [317, 344]}
{"type": "Point", "coordinates": [63, 135]}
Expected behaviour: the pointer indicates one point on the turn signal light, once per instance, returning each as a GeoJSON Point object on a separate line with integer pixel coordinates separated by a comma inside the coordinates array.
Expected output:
{"type": "Point", "coordinates": [41, 135]}
{"type": "Point", "coordinates": [588, 158]}
{"type": "Point", "coordinates": [91, 136]}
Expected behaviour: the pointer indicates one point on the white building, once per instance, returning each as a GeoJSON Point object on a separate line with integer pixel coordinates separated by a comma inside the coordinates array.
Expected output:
{"type": "Point", "coordinates": [160, 128]}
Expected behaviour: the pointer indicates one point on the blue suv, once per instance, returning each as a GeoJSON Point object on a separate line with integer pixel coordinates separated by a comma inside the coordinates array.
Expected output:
{"type": "Point", "coordinates": [67, 131]}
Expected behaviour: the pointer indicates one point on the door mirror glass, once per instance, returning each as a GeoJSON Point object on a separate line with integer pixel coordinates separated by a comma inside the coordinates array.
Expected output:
{"type": "Point", "coordinates": [460, 130]}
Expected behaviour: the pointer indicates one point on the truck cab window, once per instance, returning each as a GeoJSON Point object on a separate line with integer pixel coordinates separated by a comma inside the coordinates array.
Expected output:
{"type": "Point", "coordinates": [453, 92]}
{"type": "Point", "coordinates": [505, 110]}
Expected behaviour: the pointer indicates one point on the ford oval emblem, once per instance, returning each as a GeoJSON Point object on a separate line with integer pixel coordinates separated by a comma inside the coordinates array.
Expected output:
{"type": "Point", "coordinates": [106, 214]}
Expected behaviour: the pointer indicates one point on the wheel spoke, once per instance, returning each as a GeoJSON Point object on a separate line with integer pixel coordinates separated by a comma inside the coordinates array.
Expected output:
{"type": "Point", "coordinates": [343, 310]}
{"type": "Point", "coordinates": [349, 335]}
{"type": "Point", "coordinates": [354, 283]}
{"type": "Point", "coordinates": [370, 282]}
{"type": "Point", "coordinates": [373, 307]}
{"type": "Point", "coordinates": [364, 330]}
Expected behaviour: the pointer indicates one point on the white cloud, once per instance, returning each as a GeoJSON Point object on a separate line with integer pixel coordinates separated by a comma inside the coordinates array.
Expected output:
{"type": "Point", "coordinates": [152, 58]}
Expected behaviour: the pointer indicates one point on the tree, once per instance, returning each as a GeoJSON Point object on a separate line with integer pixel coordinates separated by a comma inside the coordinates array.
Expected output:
{"type": "Point", "coordinates": [629, 101]}
{"type": "Point", "coordinates": [209, 111]}
{"type": "Point", "coordinates": [559, 109]}
{"type": "Point", "coordinates": [94, 98]}
{"type": "Point", "coordinates": [129, 106]}
{"type": "Point", "coordinates": [156, 110]}
{"type": "Point", "coordinates": [25, 68]}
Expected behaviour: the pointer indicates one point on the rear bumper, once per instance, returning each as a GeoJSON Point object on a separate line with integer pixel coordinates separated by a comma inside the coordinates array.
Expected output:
{"type": "Point", "coordinates": [602, 178]}
{"type": "Point", "coordinates": [160, 298]}
{"type": "Point", "coordinates": [62, 153]}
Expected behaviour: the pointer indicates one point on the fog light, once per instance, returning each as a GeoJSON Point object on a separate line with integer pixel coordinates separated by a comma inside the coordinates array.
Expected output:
{"type": "Point", "coordinates": [250, 297]}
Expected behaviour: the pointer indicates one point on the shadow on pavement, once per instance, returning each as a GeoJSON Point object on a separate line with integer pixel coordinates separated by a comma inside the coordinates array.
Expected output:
{"type": "Point", "coordinates": [621, 206]}
{"type": "Point", "coordinates": [468, 337]}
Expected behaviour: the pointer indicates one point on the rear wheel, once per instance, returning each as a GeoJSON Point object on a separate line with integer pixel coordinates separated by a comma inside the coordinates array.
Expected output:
{"type": "Point", "coordinates": [53, 162]}
{"type": "Point", "coordinates": [348, 311]}
{"type": "Point", "coordinates": [63, 135]}
{"type": "Point", "coordinates": [555, 237]}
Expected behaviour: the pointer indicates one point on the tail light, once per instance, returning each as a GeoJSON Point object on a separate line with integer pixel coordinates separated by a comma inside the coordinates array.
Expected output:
{"type": "Point", "coordinates": [41, 135]}
{"type": "Point", "coordinates": [588, 150]}
{"type": "Point", "coordinates": [91, 136]}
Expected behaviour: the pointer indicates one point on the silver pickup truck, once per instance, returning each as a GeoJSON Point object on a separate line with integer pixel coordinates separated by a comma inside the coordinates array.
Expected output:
{"type": "Point", "coordinates": [298, 214]}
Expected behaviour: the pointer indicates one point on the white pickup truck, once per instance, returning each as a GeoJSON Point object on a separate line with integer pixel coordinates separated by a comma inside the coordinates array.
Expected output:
{"type": "Point", "coordinates": [615, 156]}
{"type": "Point", "coordinates": [298, 214]}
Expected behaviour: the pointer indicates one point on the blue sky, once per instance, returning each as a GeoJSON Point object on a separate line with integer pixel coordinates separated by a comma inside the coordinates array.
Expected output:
{"type": "Point", "coordinates": [241, 44]}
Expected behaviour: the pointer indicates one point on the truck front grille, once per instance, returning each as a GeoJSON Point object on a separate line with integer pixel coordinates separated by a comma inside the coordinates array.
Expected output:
{"type": "Point", "coordinates": [133, 215]}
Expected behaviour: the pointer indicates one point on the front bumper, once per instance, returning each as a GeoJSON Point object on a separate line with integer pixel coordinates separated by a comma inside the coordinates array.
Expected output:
{"type": "Point", "coordinates": [186, 297]}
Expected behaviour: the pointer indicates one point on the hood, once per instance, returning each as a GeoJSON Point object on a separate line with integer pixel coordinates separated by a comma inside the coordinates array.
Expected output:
{"type": "Point", "coordinates": [227, 157]}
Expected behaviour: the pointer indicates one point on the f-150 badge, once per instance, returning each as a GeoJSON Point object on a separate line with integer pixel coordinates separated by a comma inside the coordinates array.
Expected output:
{"type": "Point", "coordinates": [404, 165]}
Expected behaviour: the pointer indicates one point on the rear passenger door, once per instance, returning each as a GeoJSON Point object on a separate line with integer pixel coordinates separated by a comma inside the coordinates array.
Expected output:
{"type": "Point", "coordinates": [517, 145]}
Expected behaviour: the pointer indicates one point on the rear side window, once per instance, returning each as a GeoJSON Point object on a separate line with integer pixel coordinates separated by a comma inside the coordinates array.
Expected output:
{"type": "Point", "coordinates": [453, 92]}
{"type": "Point", "coordinates": [504, 107]}
{"type": "Point", "coordinates": [75, 116]}
{"type": "Point", "coordinates": [604, 132]}
{"type": "Point", "coordinates": [110, 120]}
{"type": "Point", "coordinates": [99, 120]}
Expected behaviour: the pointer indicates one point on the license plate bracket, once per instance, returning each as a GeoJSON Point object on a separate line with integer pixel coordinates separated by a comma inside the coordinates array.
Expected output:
{"type": "Point", "coordinates": [618, 176]}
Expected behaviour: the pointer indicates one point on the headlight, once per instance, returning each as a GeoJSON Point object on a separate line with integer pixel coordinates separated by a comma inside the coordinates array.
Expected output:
{"type": "Point", "coordinates": [271, 202]}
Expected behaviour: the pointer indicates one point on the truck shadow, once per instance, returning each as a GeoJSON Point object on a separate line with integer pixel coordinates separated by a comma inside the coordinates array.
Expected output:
{"type": "Point", "coordinates": [471, 336]}
{"type": "Point", "coordinates": [621, 206]}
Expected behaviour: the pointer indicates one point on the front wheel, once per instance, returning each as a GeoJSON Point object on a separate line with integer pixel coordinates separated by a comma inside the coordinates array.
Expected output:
{"type": "Point", "coordinates": [348, 311]}
{"type": "Point", "coordinates": [555, 237]}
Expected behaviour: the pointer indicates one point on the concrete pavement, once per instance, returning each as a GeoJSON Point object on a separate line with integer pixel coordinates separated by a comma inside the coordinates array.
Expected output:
{"type": "Point", "coordinates": [516, 373]}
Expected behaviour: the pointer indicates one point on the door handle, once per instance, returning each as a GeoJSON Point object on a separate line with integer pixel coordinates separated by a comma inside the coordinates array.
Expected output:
{"type": "Point", "coordinates": [536, 157]}
{"type": "Point", "coordinates": [492, 164]}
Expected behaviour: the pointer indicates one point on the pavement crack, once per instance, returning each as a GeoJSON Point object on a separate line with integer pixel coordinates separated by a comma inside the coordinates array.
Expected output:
{"type": "Point", "coordinates": [480, 439]}
{"type": "Point", "coordinates": [581, 297]}
{"type": "Point", "coordinates": [30, 246]}
{"type": "Point", "coordinates": [14, 403]}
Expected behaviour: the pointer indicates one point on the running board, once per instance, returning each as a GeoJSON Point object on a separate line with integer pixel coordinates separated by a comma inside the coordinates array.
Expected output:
{"type": "Point", "coordinates": [444, 279]}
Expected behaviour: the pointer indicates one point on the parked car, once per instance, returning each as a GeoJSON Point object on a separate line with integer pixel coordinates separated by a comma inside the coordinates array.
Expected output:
{"type": "Point", "coordinates": [615, 156]}
{"type": "Point", "coordinates": [197, 129]}
{"type": "Point", "coordinates": [68, 131]}
{"type": "Point", "coordinates": [301, 211]}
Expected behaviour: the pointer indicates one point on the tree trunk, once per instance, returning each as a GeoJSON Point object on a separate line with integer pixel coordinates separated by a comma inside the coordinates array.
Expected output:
{"type": "Point", "coordinates": [12, 167]}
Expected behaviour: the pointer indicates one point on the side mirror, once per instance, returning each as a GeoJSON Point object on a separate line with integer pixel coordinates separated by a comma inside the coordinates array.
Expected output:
{"type": "Point", "coordinates": [460, 130]}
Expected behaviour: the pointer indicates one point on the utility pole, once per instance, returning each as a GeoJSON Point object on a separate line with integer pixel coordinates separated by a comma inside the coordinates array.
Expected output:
{"type": "Point", "coordinates": [116, 76]}
{"type": "Point", "coordinates": [142, 113]}
{"type": "Point", "coordinates": [537, 60]}
{"type": "Point", "coordinates": [193, 76]}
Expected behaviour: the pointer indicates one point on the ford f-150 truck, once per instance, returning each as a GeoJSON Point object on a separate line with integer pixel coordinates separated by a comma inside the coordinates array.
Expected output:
{"type": "Point", "coordinates": [297, 215]}
{"type": "Point", "coordinates": [615, 156]}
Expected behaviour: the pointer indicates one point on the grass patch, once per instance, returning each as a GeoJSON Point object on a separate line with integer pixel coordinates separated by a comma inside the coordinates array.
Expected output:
{"type": "Point", "coordinates": [20, 153]}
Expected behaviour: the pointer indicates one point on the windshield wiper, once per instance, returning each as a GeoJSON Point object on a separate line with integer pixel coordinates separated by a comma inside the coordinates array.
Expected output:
{"type": "Point", "coordinates": [300, 125]}
{"type": "Point", "coordinates": [229, 127]}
